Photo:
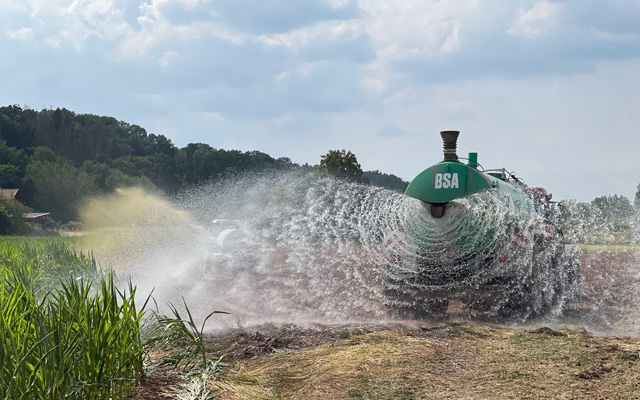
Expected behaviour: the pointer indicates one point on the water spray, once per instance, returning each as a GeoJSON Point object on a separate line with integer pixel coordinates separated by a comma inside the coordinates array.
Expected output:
{"type": "Point", "coordinates": [296, 247]}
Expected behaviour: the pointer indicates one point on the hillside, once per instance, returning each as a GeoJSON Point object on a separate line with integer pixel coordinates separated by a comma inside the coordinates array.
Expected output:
{"type": "Point", "coordinates": [59, 158]}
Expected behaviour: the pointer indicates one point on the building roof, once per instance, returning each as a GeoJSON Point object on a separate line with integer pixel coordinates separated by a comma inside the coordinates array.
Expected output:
{"type": "Point", "coordinates": [9, 193]}
{"type": "Point", "coordinates": [34, 215]}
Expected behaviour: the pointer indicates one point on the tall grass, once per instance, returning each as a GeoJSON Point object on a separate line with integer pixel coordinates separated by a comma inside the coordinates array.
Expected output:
{"type": "Point", "coordinates": [66, 330]}
{"type": "Point", "coordinates": [184, 342]}
{"type": "Point", "coordinates": [181, 337]}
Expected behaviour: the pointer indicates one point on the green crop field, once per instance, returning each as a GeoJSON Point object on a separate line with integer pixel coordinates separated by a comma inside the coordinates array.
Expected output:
{"type": "Point", "coordinates": [66, 330]}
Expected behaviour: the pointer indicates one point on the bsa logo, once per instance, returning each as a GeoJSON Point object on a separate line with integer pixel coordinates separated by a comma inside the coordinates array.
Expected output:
{"type": "Point", "coordinates": [447, 181]}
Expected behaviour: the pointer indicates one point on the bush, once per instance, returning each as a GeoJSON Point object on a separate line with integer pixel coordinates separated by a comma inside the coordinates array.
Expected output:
{"type": "Point", "coordinates": [11, 220]}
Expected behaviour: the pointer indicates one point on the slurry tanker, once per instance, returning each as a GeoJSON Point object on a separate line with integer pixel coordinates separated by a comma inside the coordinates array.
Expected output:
{"type": "Point", "coordinates": [481, 237]}
{"type": "Point", "coordinates": [465, 238]}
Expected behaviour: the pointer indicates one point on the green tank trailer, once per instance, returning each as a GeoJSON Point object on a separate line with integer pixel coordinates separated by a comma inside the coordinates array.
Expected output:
{"type": "Point", "coordinates": [481, 237]}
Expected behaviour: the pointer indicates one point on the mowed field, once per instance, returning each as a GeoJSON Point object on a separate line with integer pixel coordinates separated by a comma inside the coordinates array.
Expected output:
{"type": "Point", "coordinates": [422, 361]}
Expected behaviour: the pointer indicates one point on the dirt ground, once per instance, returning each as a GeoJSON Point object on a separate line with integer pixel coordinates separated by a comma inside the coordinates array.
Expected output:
{"type": "Point", "coordinates": [420, 361]}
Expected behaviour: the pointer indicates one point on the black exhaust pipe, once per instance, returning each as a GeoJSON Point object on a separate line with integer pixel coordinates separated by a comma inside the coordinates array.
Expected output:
{"type": "Point", "coordinates": [449, 140]}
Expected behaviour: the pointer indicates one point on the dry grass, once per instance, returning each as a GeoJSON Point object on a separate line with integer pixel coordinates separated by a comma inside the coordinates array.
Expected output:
{"type": "Point", "coordinates": [609, 249]}
{"type": "Point", "coordinates": [449, 362]}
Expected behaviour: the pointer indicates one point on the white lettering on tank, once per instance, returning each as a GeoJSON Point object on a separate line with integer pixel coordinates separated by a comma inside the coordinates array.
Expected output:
{"type": "Point", "coordinates": [447, 180]}
{"type": "Point", "coordinates": [454, 181]}
{"type": "Point", "coordinates": [438, 181]}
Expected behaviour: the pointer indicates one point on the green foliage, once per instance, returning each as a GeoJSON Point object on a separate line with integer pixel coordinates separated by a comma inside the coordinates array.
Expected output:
{"type": "Point", "coordinates": [59, 158]}
{"type": "Point", "coordinates": [342, 164]}
{"type": "Point", "coordinates": [76, 337]}
{"type": "Point", "coordinates": [45, 154]}
{"type": "Point", "coordinates": [81, 137]}
{"type": "Point", "coordinates": [11, 220]}
{"type": "Point", "coordinates": [181, 337]}
{"type": "Point", "coordinates": [60, 186]}
{"type": "Point", "coordinates": [388, 181]}
{"type": "Point", "coordinates": [605, 220]}
{"type": "Point", "coordinates": [616, 211]}
{"type": "Point", "coordinates": [107, 178]}
{"type": "Point", "coordinates": [580, 221]}
{"type": "Point", "coordinates": [183, 341]}
{"type": "Point", "coordinates": [17, 126]}
{"type": "Point", "coordinates": [12, 164]}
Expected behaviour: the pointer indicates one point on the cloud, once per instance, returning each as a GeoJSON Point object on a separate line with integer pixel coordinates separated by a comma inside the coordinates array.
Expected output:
{"type": "Point", "coordinates": [278, 16]}
{"type": "Point", "coordinates": [395, 44]}
{"type": "Point", "coordinates": [390, 130]}
{"type": "Point", "coordinates": [320, 87]}
{"type": "Point", "coordinates": [536, 21]}
{"type": "Point", "coordinates": [613, 17]}
{"type": "Point", "coordinates": [156, 32]}
{"type": "Point", "coordinates": [78, 20]}
{"type": "Point", "coordinates": [409, 29]}
{"type": "Point", "coordinates": [542, 39]}
{"type": "Point", "coordinates": [11, 6]}
{"type": "Point", "coordinates": [167, 57]}
{"type": "Point", "coordinates": [20, 34]}
{"type": "Point", "coordinates": [327, 40]}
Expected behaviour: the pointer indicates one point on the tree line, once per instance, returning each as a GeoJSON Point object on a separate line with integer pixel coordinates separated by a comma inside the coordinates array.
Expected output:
{"type": "Point", "coordinates": [606, 219]}
{"type": "Point", "coordinates": [59, 158]}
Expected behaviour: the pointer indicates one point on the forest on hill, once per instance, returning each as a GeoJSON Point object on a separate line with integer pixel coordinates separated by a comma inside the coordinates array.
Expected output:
{"type": "Point", "coordinates": [58, 158]}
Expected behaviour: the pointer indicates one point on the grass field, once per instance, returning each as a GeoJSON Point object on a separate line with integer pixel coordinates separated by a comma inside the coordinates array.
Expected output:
{"type": "Point", "coordinates": [66, 330]}
{"type": "Point", "coordinates": [611, 248]}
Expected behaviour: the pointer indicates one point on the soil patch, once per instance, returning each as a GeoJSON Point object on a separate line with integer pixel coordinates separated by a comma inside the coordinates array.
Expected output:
{"type": "Point", "coordinates": [243, 344]}
{"type": "Point", "coordinates": [437, 362]}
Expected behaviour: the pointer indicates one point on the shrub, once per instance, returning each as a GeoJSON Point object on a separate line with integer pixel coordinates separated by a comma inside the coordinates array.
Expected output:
{"type": "Point", "coordinates": [11, 220]}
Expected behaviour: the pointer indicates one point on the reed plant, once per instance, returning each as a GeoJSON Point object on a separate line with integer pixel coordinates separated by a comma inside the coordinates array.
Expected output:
{"type": "Point", "coordinates": [183, 343]}
{"type": "Point", "coordinates": [66, 330]}
{"type": "Point", "coordinates": [181, 337]}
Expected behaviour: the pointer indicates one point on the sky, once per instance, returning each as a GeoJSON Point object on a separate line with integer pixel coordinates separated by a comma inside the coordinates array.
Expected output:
{"type": "Point", "coordinates": [548, 89]}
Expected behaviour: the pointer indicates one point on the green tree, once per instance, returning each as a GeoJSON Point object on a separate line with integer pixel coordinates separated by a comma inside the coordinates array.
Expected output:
{"type": "Point", "coordinates": [13, 162]}
{"type": "Point", "coordinates": [108, 179]}
{"type": "Point", "coordinates": [17, 126]}
{"type": "Point", "coordinates": [11, 220]}
{"type": "Point", "coordinates": [616, 210]}
{"type": "Point", "coordinates": [342, 164]}
{"type": "Point", "coordinates": [388, 181]}
{"type": "Point", "coordinates": [60, 187]}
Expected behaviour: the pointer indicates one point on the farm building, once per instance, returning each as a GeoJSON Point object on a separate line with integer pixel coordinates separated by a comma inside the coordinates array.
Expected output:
{"type": "Point", "coordinates": [15, 194]}
{"type": "Point", "coordinates": [35, 217]}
